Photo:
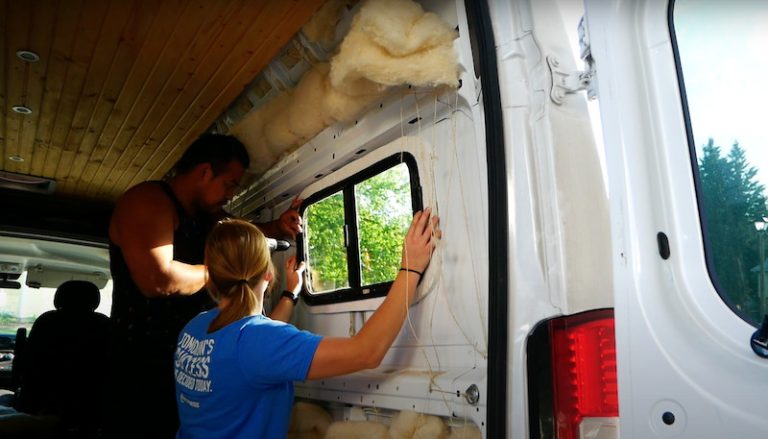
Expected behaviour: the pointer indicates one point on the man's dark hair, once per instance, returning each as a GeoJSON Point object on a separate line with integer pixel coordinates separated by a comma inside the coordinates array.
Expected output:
{"type": "Point", "coordinates": [217, 149]}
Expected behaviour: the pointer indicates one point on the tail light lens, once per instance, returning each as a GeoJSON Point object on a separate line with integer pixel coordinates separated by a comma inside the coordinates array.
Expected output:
{"type": "Point", "coordinates": [584, 379]}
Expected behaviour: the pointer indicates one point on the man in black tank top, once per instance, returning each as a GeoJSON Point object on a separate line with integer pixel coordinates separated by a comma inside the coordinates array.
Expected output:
{"type": "Point", "coordinates": [157, 238]}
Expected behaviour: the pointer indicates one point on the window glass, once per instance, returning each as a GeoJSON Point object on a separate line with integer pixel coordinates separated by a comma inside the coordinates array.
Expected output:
{"type": "Point", "coordinates": [355, 228]}
{"type": "Point", "coordinates": [721, 48]}
{"type": "Point", "coordinates": [327, 254]}
{"type": "Point", "coordinates": [20, 307]}
{"type": "Point", "coordinates": [383, 215]}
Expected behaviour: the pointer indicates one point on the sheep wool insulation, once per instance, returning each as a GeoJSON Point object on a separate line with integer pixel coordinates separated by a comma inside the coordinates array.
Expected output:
{"type": "Point", "coordinates": [390, 43]}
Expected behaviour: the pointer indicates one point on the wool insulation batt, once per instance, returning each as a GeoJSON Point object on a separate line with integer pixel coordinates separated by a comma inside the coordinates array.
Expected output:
{"type": "Point", "coordinates": [390, 43]}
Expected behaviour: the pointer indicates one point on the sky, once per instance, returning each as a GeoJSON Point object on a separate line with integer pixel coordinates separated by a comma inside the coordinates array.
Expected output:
{"type": "Point", "coordinates": [723, 48]}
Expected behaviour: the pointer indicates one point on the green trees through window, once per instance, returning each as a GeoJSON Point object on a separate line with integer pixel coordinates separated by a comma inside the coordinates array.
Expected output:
{"type": "Point", "coordinates": [327, 255]}
{"type": "Point", "coordinates": [381, 213]}
{"type": "Point", "coordinates": [732, 201]}
{"type": "Point", "coordinates": [721, 47]}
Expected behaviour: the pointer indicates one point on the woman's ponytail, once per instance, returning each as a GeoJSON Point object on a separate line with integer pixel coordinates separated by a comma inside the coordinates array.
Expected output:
{"type": "Point", "coordinates": [237, 258]}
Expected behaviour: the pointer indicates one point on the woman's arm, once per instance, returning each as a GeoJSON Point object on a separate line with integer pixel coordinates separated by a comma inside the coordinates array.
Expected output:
{"type": "Point", "coordinates": [338, 356]}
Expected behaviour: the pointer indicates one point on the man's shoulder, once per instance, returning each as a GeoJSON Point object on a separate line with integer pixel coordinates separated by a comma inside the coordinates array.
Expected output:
{"type": "Point", "coordinates": [144, 202]}
{"type": "Point", "coordinates": [146, 192]}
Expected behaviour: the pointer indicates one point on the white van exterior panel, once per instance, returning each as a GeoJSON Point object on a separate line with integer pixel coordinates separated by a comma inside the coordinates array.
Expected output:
{"type": "Point", "coordinates": [680, 348]}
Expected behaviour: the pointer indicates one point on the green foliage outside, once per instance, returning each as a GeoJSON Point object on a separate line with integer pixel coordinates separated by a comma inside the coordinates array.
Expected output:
{"type": "Point", "coordinates": [9, 322]}
{"type": "Point", "coordinates": [733, 200]}
{"type": "Point", "coordinates": [325, 235]}
{"type": "Point", "coordinates": [384, 214]}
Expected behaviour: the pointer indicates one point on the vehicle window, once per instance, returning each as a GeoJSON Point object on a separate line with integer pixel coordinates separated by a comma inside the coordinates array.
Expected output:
{"type": "Point", "coordinates": [721, 58]}
{"type": "Point", "coordinates": [20, 307]}
{"type": "Point", "coordinates": [30, 271]}
{"type": "Point", "coordinates": [355, 229]}
{"type": "Point", "coordinates": [327, 254]}
{"type": "Point", "coordinates": [383, 214]}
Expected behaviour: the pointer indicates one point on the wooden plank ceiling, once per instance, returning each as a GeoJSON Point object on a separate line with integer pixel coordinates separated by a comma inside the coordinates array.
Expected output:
{"type": "Point", "coordinates": [123, 86]}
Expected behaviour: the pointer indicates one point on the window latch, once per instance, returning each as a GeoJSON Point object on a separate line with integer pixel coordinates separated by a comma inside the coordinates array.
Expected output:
{"type": "Point", "coordinates": [346, 236]}
{"type": "Point", "coordinates": [759, 340]}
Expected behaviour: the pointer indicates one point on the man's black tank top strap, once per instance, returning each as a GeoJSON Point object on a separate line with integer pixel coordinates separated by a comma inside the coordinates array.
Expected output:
{"type": "Point", "coordinates": [152, 325]}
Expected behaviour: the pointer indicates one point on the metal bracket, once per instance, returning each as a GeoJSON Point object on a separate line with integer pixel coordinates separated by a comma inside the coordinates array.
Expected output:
{"type": "Point", "coordinates": [565, 83]}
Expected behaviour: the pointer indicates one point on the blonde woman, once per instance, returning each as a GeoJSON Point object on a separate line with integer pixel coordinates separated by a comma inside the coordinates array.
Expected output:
{"type": "Point", "coordinates": [235, 367]}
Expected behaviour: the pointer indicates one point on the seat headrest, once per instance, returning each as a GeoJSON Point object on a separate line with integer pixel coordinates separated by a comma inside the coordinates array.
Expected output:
{"type": "Point", "coordinates": [77, 295]}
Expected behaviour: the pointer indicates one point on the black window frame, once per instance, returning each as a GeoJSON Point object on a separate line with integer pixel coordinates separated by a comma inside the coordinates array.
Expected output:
{"type": "Point", "coordinates": [356, 291]}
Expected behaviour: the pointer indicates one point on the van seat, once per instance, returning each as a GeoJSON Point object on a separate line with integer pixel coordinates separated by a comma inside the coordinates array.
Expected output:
{"type": "Point", "coordinates": [65, 361]}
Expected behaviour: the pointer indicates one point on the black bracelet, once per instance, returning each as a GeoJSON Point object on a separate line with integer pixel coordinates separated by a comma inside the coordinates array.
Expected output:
{"type": "Point", "coordinates": [289, 294]}
{"type": "Point", "coordinates": [413, 271]}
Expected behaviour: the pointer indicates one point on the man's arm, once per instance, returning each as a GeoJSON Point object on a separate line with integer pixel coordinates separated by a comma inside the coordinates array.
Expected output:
{"type": "Point", "coordinates": [142, 226]}
{"type": "Point", "coordinates": [288, 225]}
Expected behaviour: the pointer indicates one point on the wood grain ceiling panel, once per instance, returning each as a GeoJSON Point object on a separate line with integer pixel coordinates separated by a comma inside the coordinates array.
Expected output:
{"type": "Point", "coordinates": [241, 65]}
{"type": "Point", "coordinates": [123, 86]}
{"type": "Point", "coordinates": [54, 59]}
{"type": "Point", "coordinates": [166, 44]}
{"type": "Point", "coordinates": [40, 35]}
{"type": "Point", "coordinates": [75, 148]}
{"type": "Point", "coordinates": [211, 21]}
{"type": "Point", "coordinates": [17, 35]}
{"type": "Point", "coordinates": [89, 24]}
{"type": "Point", "coordinates": [130, 40]}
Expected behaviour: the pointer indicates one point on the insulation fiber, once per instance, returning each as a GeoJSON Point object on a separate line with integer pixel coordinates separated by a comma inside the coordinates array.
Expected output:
{"type": "Point", "coordinates": [391, 43]}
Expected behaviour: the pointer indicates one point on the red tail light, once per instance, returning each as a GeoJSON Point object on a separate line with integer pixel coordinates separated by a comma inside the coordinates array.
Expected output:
{"type": "Point", "coordinates": [583, 369]}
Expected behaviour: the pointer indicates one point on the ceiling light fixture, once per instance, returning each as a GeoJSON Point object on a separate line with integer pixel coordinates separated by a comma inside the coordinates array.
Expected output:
{"type": "Point", "coordinates": [21, 109]}
{"type": "Point", "coordinates": [16, 158]}
{"type": "Point", "coordinates": [28, 56]}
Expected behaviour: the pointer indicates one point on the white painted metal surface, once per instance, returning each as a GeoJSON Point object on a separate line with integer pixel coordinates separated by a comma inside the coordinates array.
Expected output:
{"type": "Point", "coordinates": [559, 236]}
{"type": "Point", "coordinates": [680, 348]}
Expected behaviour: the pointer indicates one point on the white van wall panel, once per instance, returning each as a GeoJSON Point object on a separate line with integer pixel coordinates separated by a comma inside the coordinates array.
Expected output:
{"type": "Point", "coordinates": [445, 336]}
{"type": "Point", "coordinates": [668, 314]}
{"type": "Point", "coordinates": [558, 231]}
{"type": "Point", "coordinates": [559, 234]}
{"type": "Point", "coordinates": [571, 175]}
{"type": "Point", "coordinates": [442, 349]}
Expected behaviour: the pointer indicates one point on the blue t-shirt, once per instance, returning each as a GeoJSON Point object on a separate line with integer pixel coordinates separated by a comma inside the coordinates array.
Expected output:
{"type": "Point", "coordinates": [238, 381]}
